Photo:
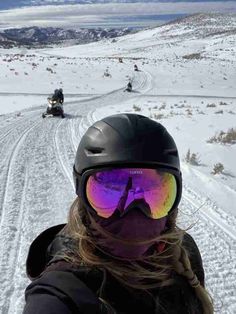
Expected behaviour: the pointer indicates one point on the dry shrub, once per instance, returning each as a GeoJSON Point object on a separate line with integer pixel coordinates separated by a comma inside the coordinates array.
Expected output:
{"type": "Point", "coordinates": [189, 112]}
{"type": "Point", "coordinates": [218, 168]}
{"type": "Point", "coordinates": [196, 56]}
{"type": "Point", "coordinates": [158, 116]}
{"type": "Point", "coordinates": [49, 70]}
{"type": "Point", "coordinates": [162, 107]}
{"type": "Point", "coordinates": [201, 112]}
{"type": "Point", "coordinates": [228, 137]}
{"type": "Point", "coordinates": [136, 108]}
{"type": "Point", "coordinates": [192, 158]}
{"type": "Point", "coordinates": [107, 73]}
{"type": "Point", "coordinates": [211, 105]}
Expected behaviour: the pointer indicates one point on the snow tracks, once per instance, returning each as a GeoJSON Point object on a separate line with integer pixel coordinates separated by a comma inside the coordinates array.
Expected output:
{"type": "Point", "coordinates": [36, 188]}
{"type": "Point", "coordinates": [212, 230]}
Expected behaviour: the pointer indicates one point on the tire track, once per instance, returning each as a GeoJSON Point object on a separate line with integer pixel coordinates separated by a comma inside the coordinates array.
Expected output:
{"type": "Point", "coordinates": [15, 248]}
{"type": "Point", "coordinates": [12, 126]}
{"type": "Point", "coordinates": [42, 198]}
{"type": "Point", "coordinates": [5, 135]}
{"type": "Point", "coordinates": [10, 224]}
{"type": "Point", "coordinates": [19, 234]}
{"type": "Point", "coordinates": [143, 81]}
{"type": "Point", "coordinates": [217, 250]}
{"type": "Point", "coordinates": [63, 154]}
{"type": "Point", "coordinates": [207, 214]}
{"type": "Point", "coordinates": [9, 169]}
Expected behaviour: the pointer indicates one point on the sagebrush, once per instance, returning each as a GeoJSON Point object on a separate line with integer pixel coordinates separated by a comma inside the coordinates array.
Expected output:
{"type": "Point", "coordinates": [228, 137]}
{"type": "Point", "coordinates": [218, 168]}
{"type": "Point", "coordinates": [192, 158]}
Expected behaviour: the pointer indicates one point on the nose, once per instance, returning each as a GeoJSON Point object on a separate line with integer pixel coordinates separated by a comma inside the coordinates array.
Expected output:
{"type": "Point", "coordinates": [140, 205]}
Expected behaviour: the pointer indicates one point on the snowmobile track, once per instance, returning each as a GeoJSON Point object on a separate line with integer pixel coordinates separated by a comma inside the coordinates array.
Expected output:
{"type": "Point", "coordinates": [11, 158]}
{"type": "Point", "coordinates": [10, 225]}
{"type": "Point", "coordinates": [206, 215]}
{"type": "Point", "coordinates": [64, 165]}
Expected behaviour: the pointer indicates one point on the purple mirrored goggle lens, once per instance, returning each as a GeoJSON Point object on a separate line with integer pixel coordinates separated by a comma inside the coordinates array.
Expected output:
{"type": "Point", "coordinates": [120, 189]}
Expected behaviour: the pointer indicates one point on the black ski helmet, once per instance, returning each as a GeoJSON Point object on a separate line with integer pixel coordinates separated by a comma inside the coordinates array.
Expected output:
{"type": "Point", "coordinates": [127, 139]}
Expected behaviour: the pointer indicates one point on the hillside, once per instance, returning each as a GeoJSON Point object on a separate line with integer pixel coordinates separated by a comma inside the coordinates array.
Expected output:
{"type": "Point", "coordinates": [39, 37]}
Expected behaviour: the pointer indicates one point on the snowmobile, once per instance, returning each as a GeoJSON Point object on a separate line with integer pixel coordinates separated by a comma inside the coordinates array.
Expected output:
{"type": "Point", "coordinates": [135, 67]}
{"type": "Point", "coordinates": [55, 108]}
{"type": "Point", "coordinates": [128, 87]}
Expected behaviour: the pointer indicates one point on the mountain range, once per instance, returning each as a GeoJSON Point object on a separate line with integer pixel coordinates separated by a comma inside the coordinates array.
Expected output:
{"type": "Point", "coordinates": [40, 37]}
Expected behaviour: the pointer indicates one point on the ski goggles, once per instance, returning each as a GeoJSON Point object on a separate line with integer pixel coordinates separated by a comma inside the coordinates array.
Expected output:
{"type": "Point", "coordinates": [154, 191]}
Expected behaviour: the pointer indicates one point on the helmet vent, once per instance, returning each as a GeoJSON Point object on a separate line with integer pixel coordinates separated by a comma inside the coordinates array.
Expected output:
{"type": "Point", "coordinates": [172, 152]}
{"type": "Point", "coordinates": [94, 150]}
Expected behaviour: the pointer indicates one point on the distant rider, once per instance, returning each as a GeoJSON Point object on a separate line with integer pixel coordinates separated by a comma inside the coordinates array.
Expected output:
{"type": "Point", "coordinates": [58, 95]}
{"type": "Point", "coordinates": [129, 87]}
{"type": "Point", "coordinates": [135, 67]}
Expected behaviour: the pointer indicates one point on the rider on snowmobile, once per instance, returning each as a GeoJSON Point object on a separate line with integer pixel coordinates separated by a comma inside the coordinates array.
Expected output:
{"type": "Point", "coordinates": [129, 87]}
{"type": "Point", "coordinates": [58, 95]}
{"type": "Point", "coordinates": [135, 67]}
{"type": "Point", "coordinates": [55, 106]}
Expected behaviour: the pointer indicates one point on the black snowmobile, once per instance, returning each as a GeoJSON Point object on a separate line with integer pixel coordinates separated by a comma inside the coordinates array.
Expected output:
{"type": "Point", "coordinates": [129, 87]}
{"type": "Point", "coordinates": [136, 67]}
{"type": "Point", "coordinates": [55, 108]}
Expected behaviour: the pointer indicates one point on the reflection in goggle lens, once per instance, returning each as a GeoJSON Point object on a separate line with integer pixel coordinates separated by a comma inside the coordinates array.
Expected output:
{"type": "Point", "coordinates": [112, 189]}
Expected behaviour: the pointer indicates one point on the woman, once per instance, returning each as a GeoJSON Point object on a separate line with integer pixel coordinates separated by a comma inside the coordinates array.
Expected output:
{"type": "Point", "coordinates": [121, 251]}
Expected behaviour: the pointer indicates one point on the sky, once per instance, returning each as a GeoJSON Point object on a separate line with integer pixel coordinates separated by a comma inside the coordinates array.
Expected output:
{"type": "Point", "coordinates": [77, 15]}
{"type": "Point", "coordinates": [18, 3]}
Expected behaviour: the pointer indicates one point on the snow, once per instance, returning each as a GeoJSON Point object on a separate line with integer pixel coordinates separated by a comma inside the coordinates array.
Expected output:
{"type": "Point", "coordinates": [194, 98]}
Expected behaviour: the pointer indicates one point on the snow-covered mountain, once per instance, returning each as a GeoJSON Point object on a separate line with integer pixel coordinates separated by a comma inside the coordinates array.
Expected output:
{"type": "Point", "coordinates": [207, 25]}
{"type": "Point", "coordinates": [186, 81]}
{"type": "Point", "coordinates": [39, 37]}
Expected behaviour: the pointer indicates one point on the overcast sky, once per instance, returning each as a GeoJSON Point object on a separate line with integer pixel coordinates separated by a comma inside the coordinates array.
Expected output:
{"type": "Point", "coordinates": [76, 15]}
{"type": "Point", "coordinates": [10, 4]}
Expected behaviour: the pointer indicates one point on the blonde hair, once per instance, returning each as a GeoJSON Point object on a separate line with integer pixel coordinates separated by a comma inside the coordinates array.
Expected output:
{"type": "Point", "coordinates": [150, 272]}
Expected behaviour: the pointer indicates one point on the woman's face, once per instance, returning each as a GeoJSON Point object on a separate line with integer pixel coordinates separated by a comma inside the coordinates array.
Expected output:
{"type": "Point", "coordinates": [134, 227]}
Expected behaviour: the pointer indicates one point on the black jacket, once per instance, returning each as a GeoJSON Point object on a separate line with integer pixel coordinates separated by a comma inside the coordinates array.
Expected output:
{"type": "Point", "coordinates": [61, 288]}
{"type": "Point", "coordinates": [58, 96]}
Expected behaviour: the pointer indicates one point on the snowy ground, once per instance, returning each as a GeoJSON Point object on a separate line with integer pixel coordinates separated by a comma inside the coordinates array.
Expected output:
{"type": "Point", "coordinates": [194, 97]}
